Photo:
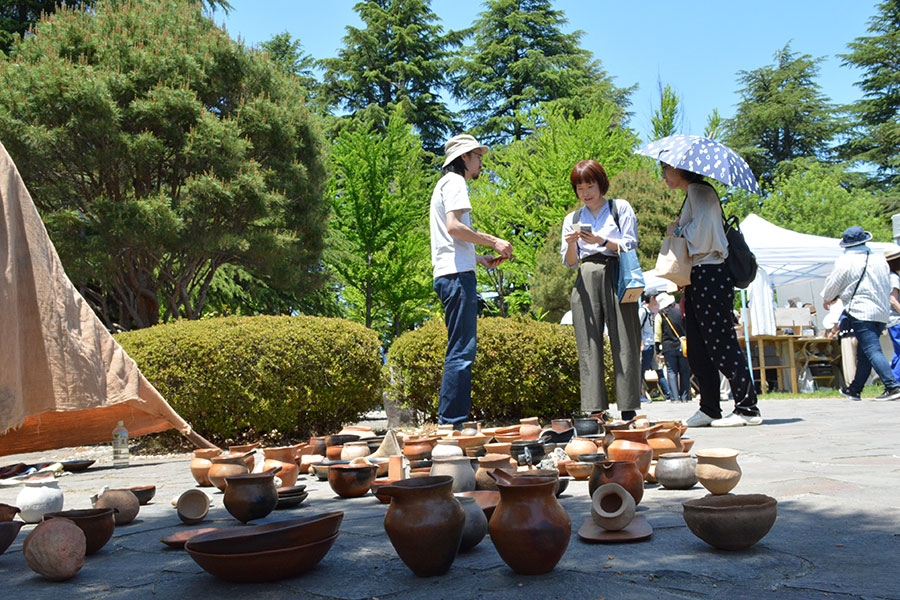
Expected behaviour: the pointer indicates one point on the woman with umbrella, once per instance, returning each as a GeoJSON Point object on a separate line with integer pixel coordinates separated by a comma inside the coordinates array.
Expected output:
{"type": "Point", "coordinates": [709, 298]}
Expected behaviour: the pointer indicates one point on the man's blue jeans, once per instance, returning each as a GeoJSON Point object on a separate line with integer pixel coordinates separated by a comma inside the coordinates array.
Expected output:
{"type": "Point", "coordinates": [460, 300]}
{"type": "Point", "coordinates": [869, 355]}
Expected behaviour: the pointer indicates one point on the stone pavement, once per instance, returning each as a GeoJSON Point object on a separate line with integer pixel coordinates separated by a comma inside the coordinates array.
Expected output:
{"type": "Point", "coordinates": [832, 465]}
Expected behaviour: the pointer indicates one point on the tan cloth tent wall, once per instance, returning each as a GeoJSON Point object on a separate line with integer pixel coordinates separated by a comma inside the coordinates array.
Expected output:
{"type": "Point", "coordinates": [64, 380]}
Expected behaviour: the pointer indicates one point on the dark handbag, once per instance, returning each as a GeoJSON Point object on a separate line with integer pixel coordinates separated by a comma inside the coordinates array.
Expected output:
{"type": "Point", "coordinates": [740, 260]}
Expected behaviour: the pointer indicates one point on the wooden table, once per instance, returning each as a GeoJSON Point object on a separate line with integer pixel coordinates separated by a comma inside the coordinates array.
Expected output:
{"type": "Point", "coordinates": [786, 347]}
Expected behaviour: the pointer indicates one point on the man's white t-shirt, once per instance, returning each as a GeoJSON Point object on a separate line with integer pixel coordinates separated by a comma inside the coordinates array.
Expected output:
{"type": "Point", "coordinates": [448, 254]}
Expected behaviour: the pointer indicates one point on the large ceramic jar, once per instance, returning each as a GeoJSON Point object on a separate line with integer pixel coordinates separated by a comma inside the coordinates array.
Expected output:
{"type": "Point", "coordinates": [666, 440]}
{"type": "Point", "coordinates": [608, 428]}
{"type": "Point", "coordinates": [718, 470]}
{"type": "Point", "coordinates": [587, 426]}
{"type": "Point", "coordinates": [625, 473]}
{"type": "Point", "coordinates": [227, 465]}
{"type": "Point", "coordinates": [529, 429]}
{"type": "Point", "coordinates": [251, 496]}
{"type": "Point", "coordinates": [353, 450]}
{"type": "Point", "coordinates": [579, 446]}
{"type": "Point", "coordinates": [631, 444]}
{"type": "Point", "coordinates": [447, 447]}
{"type": "Point", "coordinates": [201, 463]}
{"type": "Point", "coordinates": [424, 523]}
{"type": "Point", "coordinates": [282, 458]}
{"type": "Point", "coordinates": [676, 471]}
{"type": "Point", "coordinates": [530, 528]}
{"type": "Point", "coordinates": [457, 467]}
{"type": "Point", "coordinates": [476, 523]}
{"type": "Point", "coordinates": [488, 462]}
{"type": "Point", "coordinates": [39, 496]}
{"type": "Point", "coordinates": [317, 444]}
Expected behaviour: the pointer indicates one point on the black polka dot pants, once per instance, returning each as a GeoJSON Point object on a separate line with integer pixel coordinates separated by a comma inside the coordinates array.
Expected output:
{"type": "Point", "coordinates": [712, 343]}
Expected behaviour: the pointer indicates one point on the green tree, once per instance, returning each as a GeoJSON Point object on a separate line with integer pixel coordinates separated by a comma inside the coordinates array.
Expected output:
{"type": "Point", "coordinates": [782, 114]}
{"type": "Point", "coordinates": [159, 150]}
{"type": "Point", "coordinates": [401, 59]}
{"type": "Point", "coordinates": [876, 134]}
{"type": "Point", "coordinates": [667, 119]}
{"type": "Point", "coordinates": [378, 234]}
{"type": "Point", "coordinates": [715, 125]}
{"type": "Point", "coordinates": [288, 53]}
{"type": "Point", "coordinates": [520, 58]}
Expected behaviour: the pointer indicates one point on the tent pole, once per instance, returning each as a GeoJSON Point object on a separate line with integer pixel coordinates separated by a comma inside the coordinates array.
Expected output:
{"type": "Point", "coordinates": [746, 323]}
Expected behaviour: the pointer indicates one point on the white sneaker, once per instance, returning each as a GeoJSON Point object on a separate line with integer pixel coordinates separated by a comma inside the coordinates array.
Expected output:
{"type": "Point", "coordinates": [736, 420]}
{"type": "Point", "coordinates": [699, 419]}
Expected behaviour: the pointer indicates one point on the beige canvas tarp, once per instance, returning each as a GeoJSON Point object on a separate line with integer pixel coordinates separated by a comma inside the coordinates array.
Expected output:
{"type": "Point", "coordinates": [64, 380]}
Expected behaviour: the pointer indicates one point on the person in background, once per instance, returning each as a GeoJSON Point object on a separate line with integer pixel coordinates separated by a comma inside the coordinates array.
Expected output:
{"type": "Point", "coordinates": [592, 237]}
{"type": "Point", "coordinates": [454, 259]}
{"type": "Point", "coordinates": [669, 329]}
{"type": "Point", "coordinates": [861, 279]}
{"type": "Point", "coordinates": [893, 260]}
{"type": "Point", "coordinates": [647, 317]}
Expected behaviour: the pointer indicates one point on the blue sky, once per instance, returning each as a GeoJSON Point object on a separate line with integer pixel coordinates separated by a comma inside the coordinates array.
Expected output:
{"type": "Point", "coordinates": [697, 46]}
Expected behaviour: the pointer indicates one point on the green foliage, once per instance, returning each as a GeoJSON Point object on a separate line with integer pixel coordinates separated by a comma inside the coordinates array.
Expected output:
{"type": "Point", "coordinates": [551, 287]}
{"type": "Point", "coordinates": [522, 368]}
{"type": "Point", "coordinates": [715, 126]}
{"type": "Point", "coordinates": [876, 137]}
{"type": "Point", "coordinates": [666, 120]}
{"type": "Point", "coordinates": [519, 59]}
{"type": "Point", "coordinates": [399, 59]}
{"type": "Point", "coordinates": [238, 376]}
{"type": "Point", "coordinates": [288, 54]}
{"type": "Point", "coordinates": [378, 235]}
{"type": "Point", "coordinates": [782, 114]}
{"type": "Point", "coordinates": [157, 151]}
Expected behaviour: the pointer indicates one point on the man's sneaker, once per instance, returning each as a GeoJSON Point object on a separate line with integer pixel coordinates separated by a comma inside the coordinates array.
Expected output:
{"type": "Point", "coordinates": [737, 420]}
{"type": "Point", "coordinates": [893, 394]}
{"type": "Point", "coordinates": [846, 393]}
{"type": "Point", "coordinates": [699, 419]}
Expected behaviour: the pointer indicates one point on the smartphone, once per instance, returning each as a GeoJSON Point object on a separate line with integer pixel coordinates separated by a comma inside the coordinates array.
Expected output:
{"type": "Point", "coordinates": [585, 228]}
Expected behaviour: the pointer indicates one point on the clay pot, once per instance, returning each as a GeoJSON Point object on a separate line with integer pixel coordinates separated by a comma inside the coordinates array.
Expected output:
{"type": "Point", "coordinates": [251, 496]}
{"type": "Point", "coordinates": [192, 506]}
{"type": "Point", "coordinates": [317, 445]}
{"type": "Point", "coordinates": [625, 473]}
{"type": "Point", "coordinates": [592, 458]}
{"type": "Point", "coordinates": [529, 429]}
{"type": "Point", "coordinates": [201, 463]}
{"type": "Point", "coordinates": [457, 467]}
{"type": "Point", "coordinates": [144, 493]}
{"type": "Point", "coordinates": [508, 438]}
{"type": "Point", "coordinates": [498, 448]}
{"type": "Point", "coordinates": [39, 496]}
{"type": "Point", "coordinates": [471, 428]}
{"type": "Point", "coordinates": [580, 446]}
{"type": "Point", "coordinates": [351, 481]}
{"type": "Point", "coordinates": [340, 439]}
{"type": "Point", "coordinates": [425, 523]}
{"type": "Point", "coordinates": [227, 465]}
{"type": "Point", "coordinates": [55, 549]}
{"type": "Point", "coordinates": [254, 539]}
{"type": "Point", "coordinates": [561, 424]}
{"type": "Point", "coordinates": [676, 471]}
{"type": "Point", "coordinates": [248, 451]}
{"type": "Point", "coordinates": [7, 512]}
{"type": "Point", "coordinates": [527, 452]}
{"type": "Point", "coordinates": [686, 444]}
{"type": "Point", "coordinates": [608, 428]}
{"type": "Point", "coordinates": [419, 448]}
{"type": "Point", "coordinates": [284, 459]}
{"type": "Point", "coordinates": [529, 528]}
{"type": "Point", "coordinates": [125, 503]}
{"type": "Point", "coordinates": [352, 450]}
{"type": "Point", "coordinates": [97, 524]}
{"type": "Point", "coordinates": [579, 471]}
{"type": "Point", "coordinates": [587, 426]}
{"type": "Point", "coordinates": [631, 444]}
{"type": "Point", "coordinates": [666, 440]}
{"type": "Point", "coordinates": [487, 463]}
{"type": "Point", "coordinates": [731, 522]}
{"type": "Point", "coordinates": [476, 526]}
{"type": "Point", "coordinates": [447, 447]}
{"type": "Point", "coordinates": [8, 532]}
{"type": "Point", "coordinates": [334, 452]}
{"type": "Point", "coordinates": [718, 470]}
{"type": "Point", "coordinates": [612, 507]}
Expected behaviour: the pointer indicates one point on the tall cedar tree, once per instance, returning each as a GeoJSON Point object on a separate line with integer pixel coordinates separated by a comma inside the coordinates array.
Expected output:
{"type": "Point", "coordinates": [401, 59]}
{"type": "Point", "coordinates": [876, 137]}
{"type": "Point", "coordinates": [782, 115]}
{"type": "Point", "coordinates": [158, 150]}
{"type": "Point", "coordinates": [519, 59]}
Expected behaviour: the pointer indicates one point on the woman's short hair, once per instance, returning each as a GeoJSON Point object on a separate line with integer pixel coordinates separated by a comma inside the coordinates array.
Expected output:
{"type": "Point", "coordinates": [589, 171]}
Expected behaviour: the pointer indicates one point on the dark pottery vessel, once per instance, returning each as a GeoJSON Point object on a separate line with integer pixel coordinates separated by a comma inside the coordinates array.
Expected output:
{"type": "Point", "coordinates": [97, 524]}
{"type": "Point", "coordinates": [731, 522]}
{"type": "Point", "coordinates": [476, 523]}
{"type": "Point", "coordinates": [251, 496]}
{"type": "Point", "coordinates": [8, 512]}
{"type": "Point", "coordinates": [625, 473]}
{"type": "Point", "coordinates": [424, 523]}
{"type": "Point", "coordinates": [317, 444]}
{"type": "Point", "coordinates": [527, 452]}
{"type": "Point", "coordinates": [551, 436]}
{"type": "Point", "coordinates": [144, 493]}
{"type": "Point", "coordinates": [586, 426]}
{"type": "Point", "coordinates": [340, 439]}
{"type": "Point", "coordinates": [593, 457]}
{"type": "Point", "coordinates": [8, 532]}
{"type": "Point", "coordinates": [351, 481]}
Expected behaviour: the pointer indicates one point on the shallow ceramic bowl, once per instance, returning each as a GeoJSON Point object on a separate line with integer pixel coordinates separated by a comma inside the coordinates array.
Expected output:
{"type": "Point", "coordinates": [340, 440]}
{"type": "Point", "coordinates": [580, 470]}
{"type": "Point", "coordinates": [498, 448]}
{"type": "Point", "coordinates": [470, 441]}
{"type": "Point", "coordinates": [687, 444]}
{"type": "Point", "coordinates": [177, 540]}
{"type": "Point", "coordinates": [76, 466]}
{"type": "Point", "coordinates": [251, 539]}
{"type": "Point", "coordinates": [97, 524]}
{"type": "Point", "coordinates": [8, 532]}
{"type": "Point", "coordinates": [144, 493]}
{"type": "Point", "coordinates": [351, 481]}
{"type": "Point", "coordinates": [729, 521]}
{"type": "Point", "coordinates": [192, 506]}
{"type": "Point", "coordinates": [258, 567]}
{"type": "Point", "coordinates": [507, 438]}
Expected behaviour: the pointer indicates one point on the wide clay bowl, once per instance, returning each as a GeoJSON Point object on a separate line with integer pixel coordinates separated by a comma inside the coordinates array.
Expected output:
{"type": "Point", "coordinates": [8, 532]}
{"type": "Point", "coordinates": [97, 524]}
{"type": "Point", "coordinates": [487, 500]}
{"type": "Point", "coordinates": [258, 567]}
{"type": "Point", "coordinates": [8, 512]}
{"type": "Point", "coordinates": [731, 522]}
{"type": "Point", "coordinates": [471, 441]}
{"type": "Point", "coordinates": [351, 481]}
{"type": "Point", "coordinates": [76, 466]}
{"type": "Point", "coordinates": [340, 440]}
{"type": "Point", "coordinates": [144, 493]}
{"type": "Point", "coordinates": [580, 471]}
{"type": "Point", "coordinates": [321, 469]}
{"type": "Point", "coordinates": [251, 539]}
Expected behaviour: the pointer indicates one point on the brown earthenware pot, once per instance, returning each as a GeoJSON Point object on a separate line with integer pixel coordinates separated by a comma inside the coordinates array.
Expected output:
{"type": "Point", "coordinates": [227, 465]}
{"type": "Point", "coordinates": [125, 503]}
{"type": "Point", "coordinates": [487, 463]}
{"type": "Point", "coordinates": [731, 522]}
{"type": "Point", "coordinates": [317, 443]}
{"type": "Point", "coordinates": [419, 448]}
{"type": "Point", "coordinates": [561, 424]}
{"type": "Point", "coordinates": [625, 473]}
{"type": "Point", "coordinates": [247, 451]}
{"type": "Point", "coordinates": [666, 440]}
{"type": "Point", "coordinates": [424, 523]}
{"type": "Point", "coordinates": [283, 457]}
{"type": "Point", "coordinates": [608, 428]}
{"type": "Point", "coordinates": [579, 446]}
{"type": "Point", "coordinates": [718, 470]}
{"type": "Point", "coordinates": [530, 528]}
{"type": "Point", "coordinates": [201, 463]}
{"type": "Point", "coordinates": [530, 429]}
{"type": "Point", "coordinates": [631, 444]}
{"type": "Point", "coordinates": [351, 481]}
{"type": "Point", "coordinates": [96, 523]}
{"type": "Point", "coordinates": [7, 512]}
{"type": "Point", "coordinates": [251, 496]}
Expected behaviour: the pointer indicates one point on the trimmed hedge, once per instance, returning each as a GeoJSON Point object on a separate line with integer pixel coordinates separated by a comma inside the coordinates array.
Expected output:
{"type": "Point", "coordinates": [522, 368]}
{"type": "Point", "coordinates": [235, 377]}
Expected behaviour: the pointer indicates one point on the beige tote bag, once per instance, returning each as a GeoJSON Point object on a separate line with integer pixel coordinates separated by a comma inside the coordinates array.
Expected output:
{"type": "Point", "coordinates": [673, 262]}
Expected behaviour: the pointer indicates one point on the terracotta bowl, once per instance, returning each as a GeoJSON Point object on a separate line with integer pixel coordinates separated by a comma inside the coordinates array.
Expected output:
{"type": "Point", "coordinates": [580, 470]}
{"type": "Point", "coordinates": [729, 521]}
{"type": "Point", "coordinates": [251, 539]}
{"type": "Point", "coordinates": [351, 481]}
{"type": "Point", "coordinates": [507, 438]}
{"type": "Point", "coordinates": [321, 469]}
{"type": "Point", "coordinates": [144, 493]}
{"type": "Point", "coordinates": [8, 512]}
{"type": "Point", "coordinates": [258, 567]}
{"type": "Point", "coordinates": [498, 448]}
{"type": "Point", "coordinates": [486, 499]}
{"type": "Point", "coordinates": [192, 506]}
{"type": "Point", "coordinates": [687, 444]}
{"type": "Point", "coordinates": [97, 524]}
{"type": "Point", "coordinates": [562, 466]}
{"type": "Point", "coordinates": [8, 532]}
{"type": "Point", "coordinates": [470, 441]}
{"type": "Point", "coordinates": [376, 485]}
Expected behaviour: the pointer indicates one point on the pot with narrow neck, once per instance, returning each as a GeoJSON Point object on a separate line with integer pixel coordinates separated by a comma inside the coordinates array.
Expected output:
{"type": "Point", "coordinates": [631, 444]}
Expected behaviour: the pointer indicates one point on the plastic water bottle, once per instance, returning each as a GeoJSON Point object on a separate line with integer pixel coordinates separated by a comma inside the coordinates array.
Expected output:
{"type": "Point", "coordinates": [120, 445]}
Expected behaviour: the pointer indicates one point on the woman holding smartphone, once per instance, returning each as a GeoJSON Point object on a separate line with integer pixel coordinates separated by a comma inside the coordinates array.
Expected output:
{"type": "Point", "coordinates": [592, 237]}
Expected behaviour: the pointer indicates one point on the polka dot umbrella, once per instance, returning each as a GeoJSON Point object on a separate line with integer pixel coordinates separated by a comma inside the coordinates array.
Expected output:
{"type": "Point", "coordinates": [703, 156]}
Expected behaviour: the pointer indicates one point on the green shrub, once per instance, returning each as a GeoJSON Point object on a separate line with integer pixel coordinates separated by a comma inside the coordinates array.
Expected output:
{"type": "Point", "coordinates": [522, 368]}
{"type": "Point", "coordinates": [238, 376]}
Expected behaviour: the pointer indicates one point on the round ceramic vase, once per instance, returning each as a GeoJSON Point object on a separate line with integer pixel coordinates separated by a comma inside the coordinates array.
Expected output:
{"type": "Point", "coordinates": [457, 467]}
{"type": "Point", "coordinates": [718, 470]}
{"type": "Point", "coordinates": [676, 471]}
{"type": "Point", "coordinates": [476, 524]}
{"type": "Point", "coordinates": [37, 498]}
{"type": "Point", "coordinates": [446, 448]}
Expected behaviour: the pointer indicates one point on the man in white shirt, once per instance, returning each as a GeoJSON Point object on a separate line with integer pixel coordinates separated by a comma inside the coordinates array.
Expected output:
{"type": "Point", "coordinates": [861, 280]}
{"type": "Point", "coordinates": [453, 258]}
